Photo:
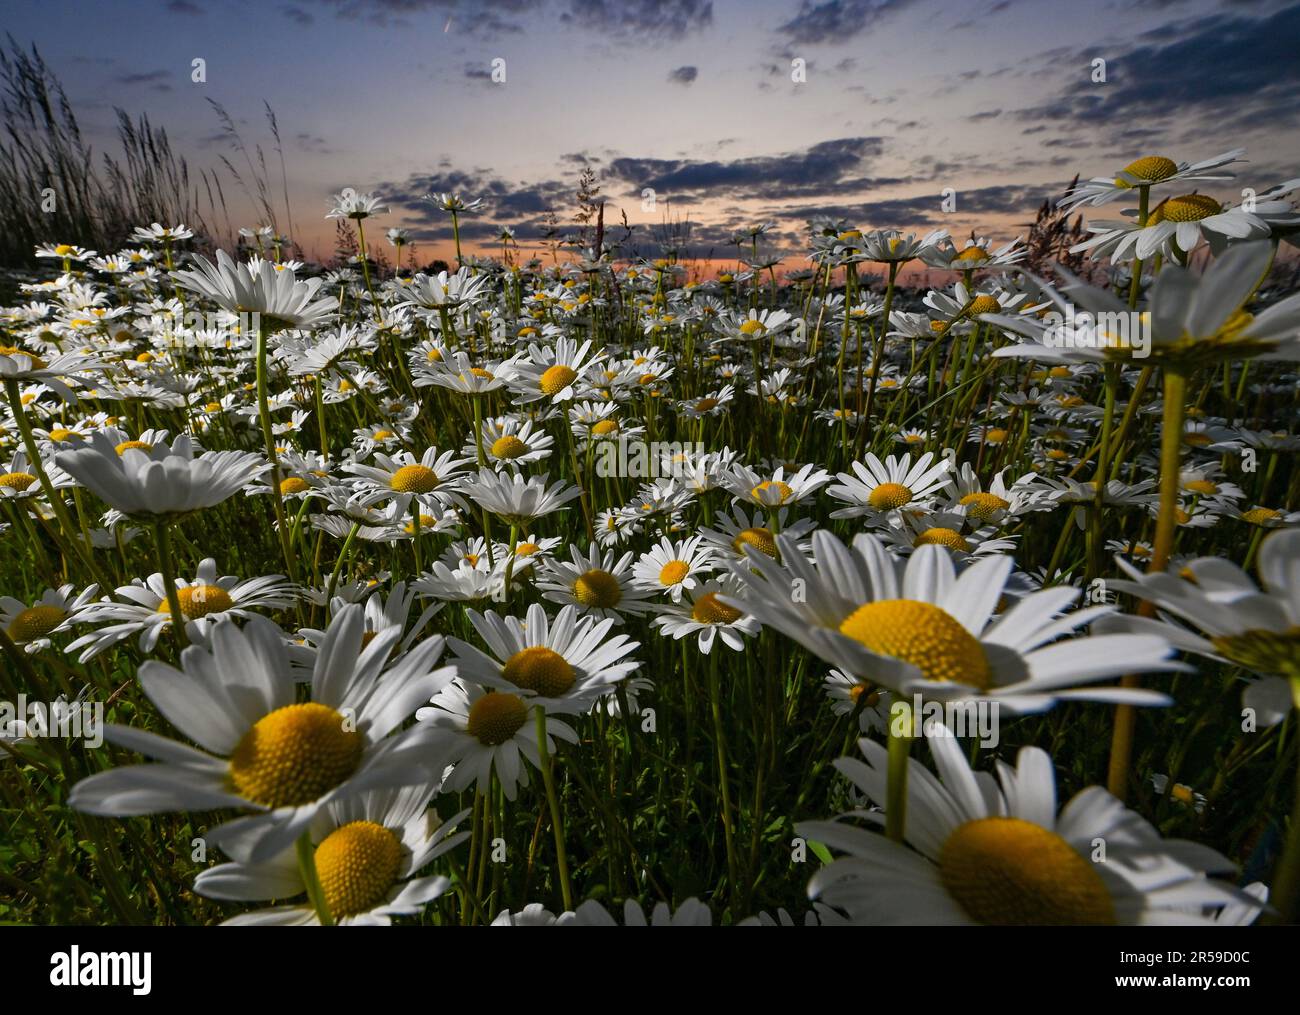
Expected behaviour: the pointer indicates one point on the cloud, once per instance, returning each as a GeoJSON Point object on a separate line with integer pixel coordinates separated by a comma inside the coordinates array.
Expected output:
{"type": "Point", "coordinates": [522, 205]}
{"type": "Point", "coordinates": [297, 15]}
{"type": "Point", "coordinates": [313, 143]}
{"type": "Point", "coordinates": [684, 75]}
{"type": "Point", "coordinates": [155, 80]}
{"type": "Point", "coordinates": [825, 168]}
{"type": "Point", "coordinates": [461, 17]}
{"type": "Point", "coordinates": [927, 210]}
{"type": "Point", "coordinates": [837, 20]}
{"type": "Point", "coordinates": [640, 19]}
{"type": "Point", "coordinates": [1215, 66]}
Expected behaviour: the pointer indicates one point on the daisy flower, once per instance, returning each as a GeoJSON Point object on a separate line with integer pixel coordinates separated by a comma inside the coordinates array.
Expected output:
{"type": "Point", "coordinates": [920, 628]}
{"type": "Point", "coordinates": [596, 583]}
{"type": "Point", "coordinates": [780, 488]}
{"type": "Point", "coordinates": [367, 850]}
{"type": "Point", "coordinates": [478, 734]}
{"type": "Point", "coordinates": [18, 481]}
{"type": "Point", "coordinates": [1148, 171]}
{"type": "Point", "coordinates": [431, 477]}
{"type": "Point", "coordinates": [516, 499]}
{"type": "Point", "coordinates": [551, 373]}
{"type": "Point", "coordinates": [559, 666]}
{"type": "Point", "coordinates": [672, 568]}
{"type": "Point", "coordinates": [276, 296]}
{"type": "Point", "coordinates": [204, 601]}
{"type": "Point", "coordinates": [59, 373]}
{"type": "Point", "coordinates": [350, 204]}
{"type": "Point", "coordinates": [1212, 608]}
{"type": "Point", "coordinates": [509, 441]}
{"type": "Point", "coordinates": [876, 487]}
{"type": "Point", "coordinates": [851, 696]}
{"type": "Point", "coordinates": [260, 747]}
{"type": "Point", "coordinates": [986, 852]}
{"type": "Point", "coordinates": [738, 529]}
{"type": "Point", "coordinates": [159, 480]}
{"type": "Point", "coordinates": [32, 625]}
{"type": "Point", "coordinates": [709, 617]}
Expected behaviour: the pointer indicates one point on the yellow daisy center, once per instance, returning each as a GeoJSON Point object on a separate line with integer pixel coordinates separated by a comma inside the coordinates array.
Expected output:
{"type": "Point", "coordinates": [605, 426]}
{"type": "Point", "coordinates": [212, 407]}
{"type": "Point", "coordinates": [1008, 872]}
{"type": "Point", "coordinates": [922, 634]}
{"type": "Point", "coordinates": [782, 490]}
{"type": "Point", "coordinates": [414, 479]}
{"type": "Point", "coordinates": [496, 717]}
{"type": "Point", "coordinates": [1149, 169]}
{"type": "Point", "coordinates": [597, 588]}
{"type": "Point", "coordinates": [12, 350]}
{"type": "Point", "coordinates": [1255, 516]}
{"type": "Point", "coordinates": [705, 404]}
{"type": "Point", "coordinates": [295, 755]}
{"type": "Point", "coordinates": [938, 536]}
{"type": "Point", "coordinates": [759, 538]}
{"type": "Point", "coordinates": [126, 446]}
{"type": "Point", "coordinates": [426, 522]}
{"type": "Point", "coordinates": [17, 480]}
{"type": "Point", "coordinates": [508, 446]}
{"type": "Point", "coordinates": [985, 305]}
{"type": "Point", "coordinates": [526, 549]}
{"type": "Point", "coordinates": [357, 865]}
{"type": "Point", "coordinates": [557, 378]}
{"type": "Point", "coordinates": [381, 435]}
{"type": "Point", "coordinates": [60, 434]}
{"type": "Point", "coordinates": [200, 600]}
{"type": "Point", "coordinates": [708, 610]}
{"type": "Point", "coordinates": [752, 327]}
{"type": "Point", "coordinates": [1264, 651]}
{"type": "Point", "coordinates": [983, 506]}
{"type": "Point", "coordinates": [888, 496]}
{"type": "Point", "coordinates": [294, 484]}
{"type": "Point", "coordinates": [673, 572]}
{"type": "Point", "coordinates": [974, 252]}
{"type": "Point", "coordinates": [1188, 208]}
{"type": "Point", "coordinates": [540, 669]}
{"type": "Point", "coordinates": [35, 622]}
{"type": "Point", "coordinates": [995, 436]}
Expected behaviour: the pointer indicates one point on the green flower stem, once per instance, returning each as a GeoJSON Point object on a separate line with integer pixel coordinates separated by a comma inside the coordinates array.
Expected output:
{"type": "Point", "coordinates": [553, 801]}
{"type": "Point", "coordinates": [900, 743]}
{"type": "Point", "coordinates": [510, 561]}
{"type": "Point", "coordinates": [1135, 287]}
{"type": "Point", "coordinates": [365, 271]}
{"type": "Point", "coordinates": [268, 438]}
{"type": "Point", "coordinates": [1095, 555]}
{"type": "Point", "coordinates": [720, 744]}
{"type": "Point", "coordinates": [66, 524]}
{"type": "Point", "coordinates": [482, 464]}
{"type": "Point", "coordinates": [1171, 437]}
{"type": "Point", "coordinates": [307, 868]}
{"type": "Point", "coordinates": [162, 544]}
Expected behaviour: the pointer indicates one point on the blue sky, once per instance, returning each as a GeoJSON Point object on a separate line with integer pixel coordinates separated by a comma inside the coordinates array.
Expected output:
{"type": "Point", "coordinates": [902, 98]}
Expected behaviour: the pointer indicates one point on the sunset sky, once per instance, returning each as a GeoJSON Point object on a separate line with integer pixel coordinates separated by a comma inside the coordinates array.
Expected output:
{"type": "Point", "coordinates": [692, 98]}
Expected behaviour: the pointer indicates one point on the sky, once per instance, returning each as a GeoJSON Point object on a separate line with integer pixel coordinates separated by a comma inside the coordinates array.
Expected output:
{"type": "Point", "coordinates": [701, 101]}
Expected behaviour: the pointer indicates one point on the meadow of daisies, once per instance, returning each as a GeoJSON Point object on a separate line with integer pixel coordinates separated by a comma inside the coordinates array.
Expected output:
{"type": "Point", "coordinates": [590, 590]}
